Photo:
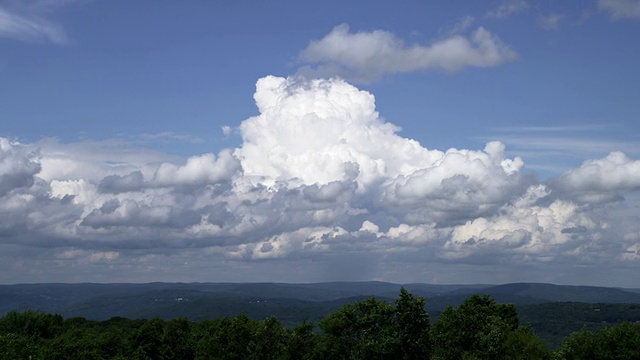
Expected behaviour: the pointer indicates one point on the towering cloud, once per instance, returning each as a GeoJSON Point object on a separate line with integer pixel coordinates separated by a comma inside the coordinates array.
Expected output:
{"type": "Point", "coordinates": [320, 131]}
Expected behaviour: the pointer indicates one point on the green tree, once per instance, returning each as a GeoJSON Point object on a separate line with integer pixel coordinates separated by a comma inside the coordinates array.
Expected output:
{"type": "Point", "coordinates": [617, 342]}
{"type": "Point", "coordinates": [17, 346]}
{"type": "Point", "coordinates": [31, 324]}
{"type": "Point", "coordinates": [413, 326]}
{"type": "Point", "coordinates": [75, 343]}
{"type": "Point", "coordinates": [363, 330]}
{"type": "Point", "coordinates": [481, 328]}
{"type": "Point", "coordinates": [146, 342]}
{"type": "Point", "coordinates": [178, 339]}
{"type": "Point", "coordinates": [374, 329]}
{"type": "Point", "coordinates": [302, 342]}
{"type": "Point", "coordinates": [227, 338]}
{"type": "Point", "coordinates": [270, 339]}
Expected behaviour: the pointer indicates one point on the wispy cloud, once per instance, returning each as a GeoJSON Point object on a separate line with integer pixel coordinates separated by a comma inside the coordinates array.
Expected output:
{"type": "Point", "coordinates": [549, 22]}
{"type": "Point", "coordinates": [367, 56]}
{"type": "Point", "coordinates": [621, 9]}
{"type": "Point", "coordinates": [462, 25]}
{"type": "Point", "coordinates": [508, 8]}
{"type": "Point", "coordinates": [554, 149]}
{"type": "Point", "coordinates": [165, 137]}
{"type": "Point", "coordinates": [31, 22]}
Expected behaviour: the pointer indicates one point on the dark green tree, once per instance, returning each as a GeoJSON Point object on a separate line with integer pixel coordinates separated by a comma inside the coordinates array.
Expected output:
{"type": "Point", "coordinates": [617, 342]}
{"type": "Point", "coordinates": [302, 342]}
{"type": "Point", "coordinates": [146, 342]}
{"type": "Point", "coordinates": [228, 338]}
{"type": "Point", "coordinates": [178, 339]}
{"type": "Point", "coordinates": [480, 328]}
{"type": "Point", "coordinates": [413, 326]}
{"type": "Point", "coordinates": [270, 339]}
{"type": "Point", "coordinates": [32, 324]}
{"type": "Point", "coordinates": [362, 330]}
{"type": "Point", "coordinates": [17, 346]}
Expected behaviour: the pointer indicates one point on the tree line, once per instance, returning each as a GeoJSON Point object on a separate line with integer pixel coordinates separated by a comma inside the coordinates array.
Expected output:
{"type": "Point", "coordinates": [480, 328]}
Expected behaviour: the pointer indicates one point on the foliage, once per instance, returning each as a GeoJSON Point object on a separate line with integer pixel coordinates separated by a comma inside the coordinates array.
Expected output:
{"type": "Point", "coordinates": [374, 329]}
{"type": "Point", "coordinates": [480, 328]}
{"type": "Point", "coordinates": [553, 322]}
{"type": "Point", "coordinates": [621, 341]}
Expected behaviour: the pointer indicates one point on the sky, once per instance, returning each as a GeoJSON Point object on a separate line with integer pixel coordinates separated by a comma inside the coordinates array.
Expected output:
{"type": "Point", "coordinates": [304, 141]}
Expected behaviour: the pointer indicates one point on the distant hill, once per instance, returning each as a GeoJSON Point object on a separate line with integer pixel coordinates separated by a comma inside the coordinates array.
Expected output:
{"type": "Point", "coordinates": [291, 303]}
{"type": "Point", "coordinates": [553, 311]}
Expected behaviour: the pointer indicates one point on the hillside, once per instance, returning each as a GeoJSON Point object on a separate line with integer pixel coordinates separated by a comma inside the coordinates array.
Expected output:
{"type": "Point", "coordinates": [553, 311]}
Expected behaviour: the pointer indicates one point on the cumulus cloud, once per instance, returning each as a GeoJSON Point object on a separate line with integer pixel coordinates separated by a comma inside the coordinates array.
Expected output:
{"type": "Point", "coordinates": [524, 226]}
{"type": "Point", "coordinates": [320, 177]}
{"type": "Point", "coordinates": [320, 131]}
{"type": "Point", "coordinates": [323, 131]}
{"type": "Point", "coordinates": [621, 9]}
{"type": "Point", "coordinates": [18, 166]}
{"type": "Point", "coordinates": [602, 180]}
{"type": "Point", "coordinates": [366, 56]}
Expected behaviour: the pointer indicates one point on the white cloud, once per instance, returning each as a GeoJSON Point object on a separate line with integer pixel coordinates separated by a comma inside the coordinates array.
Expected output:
{"type": "Point", "coordinates": [319, 175]}
{"type": "Point", "coordinates": [366, 56]}
{"type": "Point", "coordinates": [557, 149]}
{"type": "Point", "coordinates": [621, 9]}
{"type": "Point", "coordinates": [93, 160]}
{"type": "Point", "coordinates": [323, 131]}
{"type": "Point", "coordinates": [507, 8]}
{"type": "Point", "coordinates": [18, 166]}
{"type": "Point", "coordinates": [523, 226]}
{"type": "Point", "coordinates": [603, 179]}
{"type": "Point", "coordinates": [320, 131]}
{"type": "Point", "coordinates": [198, 170]}
{"type": "Point", "coordinates": [31, 26]}
{"type": "Point", "coordinates": [460, 179]}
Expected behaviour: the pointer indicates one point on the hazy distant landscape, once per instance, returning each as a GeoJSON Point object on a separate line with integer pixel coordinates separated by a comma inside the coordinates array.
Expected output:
{"type": "Point", "coordinates": [554, 311]}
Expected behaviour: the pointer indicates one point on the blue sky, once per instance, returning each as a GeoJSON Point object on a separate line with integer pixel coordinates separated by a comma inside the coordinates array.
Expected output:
{"type": "Point", "coordinates": [289, 141]}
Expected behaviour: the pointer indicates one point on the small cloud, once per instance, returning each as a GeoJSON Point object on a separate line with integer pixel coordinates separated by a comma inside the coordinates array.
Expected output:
{"type": "Point", "coordinates": [367, 56]}
{"type": "Point", "coordinates": [226, 130]}
{"type": "Point", "coordinates": [621, 9]}
{"type": "Point", "coordinates": [549, 22]}
{"type": "Point", "coordinates": [602, 180]}
{"type": "Point", "coordinates": [508, 8]}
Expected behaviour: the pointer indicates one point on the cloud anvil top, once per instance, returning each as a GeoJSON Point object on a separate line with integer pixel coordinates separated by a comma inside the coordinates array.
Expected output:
{"type": "Point", "coordinates": [325, 181]}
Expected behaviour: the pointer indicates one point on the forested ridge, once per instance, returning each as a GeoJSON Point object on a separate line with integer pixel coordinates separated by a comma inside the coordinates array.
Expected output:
{"type": "Point", "coordinates": [480, 328]}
